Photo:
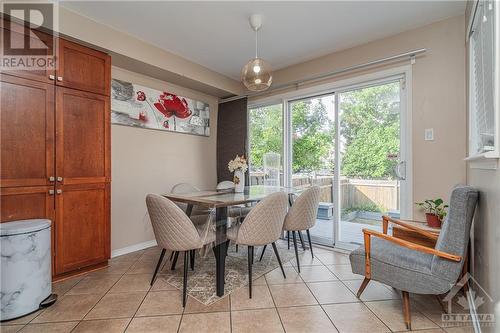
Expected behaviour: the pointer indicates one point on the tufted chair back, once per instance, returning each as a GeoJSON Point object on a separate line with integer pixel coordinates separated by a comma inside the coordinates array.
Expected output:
{"type": "Point", "coordinates": [302, 214]}
{"type": "Point", "coordinates": [172, 227]}
{"type": "Point", "coordinates": [264, 223]}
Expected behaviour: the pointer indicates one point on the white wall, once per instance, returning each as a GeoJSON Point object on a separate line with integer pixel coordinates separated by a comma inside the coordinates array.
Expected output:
{"type": "Point", "coordinates": [150, 161]}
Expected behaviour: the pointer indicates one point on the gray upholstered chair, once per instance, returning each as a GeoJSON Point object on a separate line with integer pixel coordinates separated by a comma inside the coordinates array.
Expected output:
{"type": "Point", "coordinates": [174, 231]}
{"type": "Point", "coordinates": [262, 226]}
{"type": "Point", "coordinates": [185, 188]}
{"type": "Point", "coordinates": [414, 268]}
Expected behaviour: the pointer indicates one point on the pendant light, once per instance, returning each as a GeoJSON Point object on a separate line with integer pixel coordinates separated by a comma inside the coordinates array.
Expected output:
{"type": "Point", "coordinates": [256, 75]}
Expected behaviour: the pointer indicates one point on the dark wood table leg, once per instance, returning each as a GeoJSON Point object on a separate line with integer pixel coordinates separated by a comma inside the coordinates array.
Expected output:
{"type": "Point", "coordinates": [220, 248]}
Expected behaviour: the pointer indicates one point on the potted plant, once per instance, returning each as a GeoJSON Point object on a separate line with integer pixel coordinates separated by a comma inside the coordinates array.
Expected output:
{"type": "Point", "coordinates": [435, 211]}
{"type": "Point", "coordinates": [239, 166]}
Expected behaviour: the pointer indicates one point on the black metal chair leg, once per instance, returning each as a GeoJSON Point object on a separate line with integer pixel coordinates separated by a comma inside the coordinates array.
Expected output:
{"type": "Point", "coordinates": [228, 242]}
{"type": "Point", "coordinates": [184, 282]}
{"type": "Point", "coordinates": [158, 266]}
{"type": "Point", "coordinates": [250, 262]}
{"type": "Point", "coordinates": [192, 254]}
{"type": "Point", "coordinates": [171, 255]}
{"type": "Point", "coordinates": [288, 239]}
{"type": "Point", "coordinates": [310, 243]}
{"type": "Point", "coordinates": [262, 254]}
{"type": "Point", "coordinates": [296, 250]}
{"type": "Point", "coordinates": [174, 262]}
{"type": "Point", "coordinates": [236, 248]}
{"type": "Point", "coordinates": [301, 240]}
{"type": "Point", "coordinates": [279, 259]}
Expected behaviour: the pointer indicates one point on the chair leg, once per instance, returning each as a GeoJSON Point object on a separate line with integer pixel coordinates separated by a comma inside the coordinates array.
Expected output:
{"type": "Point", "coordinates": [296, 249]}
{"type": "Point", "coordinates": [279, 259]}
{"type": "Point", "coordinates": [310, 243]}
{"type": "Point", "coordinates": [236, 248]}
{"type": "Point", "coordinates": [262, 254]}
{"type": "Point", "coordinates": [184, 282]}
{"type": "Point", "coordinates": [192, 254]}
{"type": "Point", "coordinates": [443, 306]}
{"type": "Point", "coordinates": [406, 309]}
{"type": "Point", "coordinates": [171, 255]}
{"type": "Point", "coordinates": [228, 242]}
{"type": "Point", "coordinates": [362, 287]}
{"type": "Point", "coordinates": [288, 239]}
{"type": "Point", "coordinates": [301, 240]}
{"type": "Point", "coordinates": [250, 262]}
{"type": "Point", "coordinates": [158, 266]}
{"type": "Point", "coordinates": [174, 262]}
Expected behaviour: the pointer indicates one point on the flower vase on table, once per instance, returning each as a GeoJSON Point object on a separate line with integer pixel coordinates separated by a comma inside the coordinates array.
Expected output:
{"type": "Point", "coordinates": [239, 166]}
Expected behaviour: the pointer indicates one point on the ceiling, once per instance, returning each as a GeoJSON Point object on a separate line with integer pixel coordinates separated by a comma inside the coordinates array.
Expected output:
{"type": "Point", "coordinates": [217, 34]}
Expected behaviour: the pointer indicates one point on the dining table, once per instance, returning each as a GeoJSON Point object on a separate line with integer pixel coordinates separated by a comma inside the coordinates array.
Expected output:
{"type": "Point", "coordinates": [220, 201]}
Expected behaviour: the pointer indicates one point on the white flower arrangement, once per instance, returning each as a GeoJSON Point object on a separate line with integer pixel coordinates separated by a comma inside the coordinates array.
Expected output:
{"type": "Point", "coordinates": [238, 163]}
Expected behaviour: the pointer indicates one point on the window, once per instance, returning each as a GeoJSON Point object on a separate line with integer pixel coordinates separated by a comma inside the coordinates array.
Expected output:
{"type": "Point", "coordinates": [265, 143]}
{"type": "Point", "coordinates": [483, 111]}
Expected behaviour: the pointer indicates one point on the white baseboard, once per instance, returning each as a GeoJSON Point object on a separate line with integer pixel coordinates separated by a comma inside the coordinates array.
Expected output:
{"type": "Point", "coordinates": [133, 248]}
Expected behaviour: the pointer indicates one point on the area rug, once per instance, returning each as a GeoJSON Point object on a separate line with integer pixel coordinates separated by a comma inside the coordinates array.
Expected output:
{"type": "Point", "coordinates": [201, 281]}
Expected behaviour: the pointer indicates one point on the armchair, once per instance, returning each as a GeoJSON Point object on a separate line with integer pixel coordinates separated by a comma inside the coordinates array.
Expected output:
{"type": "Point", "coordinates": [414, 268]}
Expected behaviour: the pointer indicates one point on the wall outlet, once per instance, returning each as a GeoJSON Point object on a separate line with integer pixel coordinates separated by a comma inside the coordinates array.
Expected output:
{"type": "Point", "coordinates": [429, 134]}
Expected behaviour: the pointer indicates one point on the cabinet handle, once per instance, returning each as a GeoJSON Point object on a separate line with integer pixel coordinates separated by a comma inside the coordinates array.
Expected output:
{"type": "Point", "coordinates": [52, 77]}
{"type": "Point", "coordinates": [51, 192]}
{"type": "Point", "coordinates": [52, 179]}
{"type": "Point", "coordinates": [59, 78]}
{"type": "Point", "coordinates": [58, 191]}
{"type": "Point", "coordinates": [59, 179]}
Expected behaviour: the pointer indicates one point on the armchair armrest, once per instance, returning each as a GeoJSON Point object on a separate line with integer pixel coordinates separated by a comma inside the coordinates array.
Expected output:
{"type": "Point", "coordinates": [367, 233]}
{"type": "Point", "coordinates": [425, 233]}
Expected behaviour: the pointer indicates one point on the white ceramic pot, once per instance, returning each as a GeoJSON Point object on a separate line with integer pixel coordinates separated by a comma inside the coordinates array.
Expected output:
{"type": "Point", "coordinates": [239, 181]}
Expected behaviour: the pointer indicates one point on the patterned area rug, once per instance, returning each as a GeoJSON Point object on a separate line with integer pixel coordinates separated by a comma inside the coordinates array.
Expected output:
{"type": "Point", "coordinates": [201, 281]}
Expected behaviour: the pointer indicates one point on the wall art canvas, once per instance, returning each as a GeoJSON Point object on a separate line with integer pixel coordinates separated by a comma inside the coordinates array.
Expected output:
{"type": "Point", "coordinates": [139, 106]}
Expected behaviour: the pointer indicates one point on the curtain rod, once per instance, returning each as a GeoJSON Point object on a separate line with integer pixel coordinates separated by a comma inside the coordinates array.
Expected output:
{"type": "Point", "coordinates": [410, 54]}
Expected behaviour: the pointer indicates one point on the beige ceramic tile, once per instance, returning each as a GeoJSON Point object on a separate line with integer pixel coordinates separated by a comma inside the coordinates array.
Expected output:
{"type": "Point", "coordinates": [132, 282]}
{"type": "Point", "coordinates": [332, 292]}
{"type": "Point", "coordinates": [163, 324]}
{"type": "Point", "coordinates": [464, 329]}
{"type": "Point", "coordinates": [144, 266]}
{"type": "Point", "coordinates": [94, 285]}
{"type": "Point", "coordinates": [333, 258]}
{"type": "Point", "coordinates": [261, 298]}
{"type": "Point", "coordinates": [107, 325]}
{"type": "Point", "coordinates": [354, 318]}
{"type": "Point", "coordinates": [24, 319]}
{"type": "Point", "coordinates": [261, 281]}
{"type": "Point", "coordinates": [292, 295]}
{"type": "Point", "coordinates": [114, 267]}
{"type": "Point", "coordinates": [316, 274]}
{"type": "Point", "coordinates": [130, 257]}
{"type": "Point", "coordinates": [276, 276]}
{"type": "Point", "coordinates": [344, 272]}
{"type": "Point", "coordinates": [219, 322]}
{"type": "Point", "coordinates": [160, 283]}
{"type": "Point", "coordinates": [160, 303]}
{"type": "Point", "coordinates": [62, 287]}
{"type": "Point", "coordinates": [256, 321]}
{"type": "Point", "coordinates": [193, 306]}
{"type": "Point", "coordinates": [305, 259]}
{"type": "Point", "coordinates": [307, 319]}
{"type": "Point", "coordinates": [68, 308]}
{"type": "Point", "coordinates": [120, 305]}
{"type": "Point", "coordinates": [391, 313]}
{"type": "Point", "coordinates": [375, 291]}
{"type": "Point", "coordinates": [10, 328]}
{"type": "Point", "coordinates": [65, 327]}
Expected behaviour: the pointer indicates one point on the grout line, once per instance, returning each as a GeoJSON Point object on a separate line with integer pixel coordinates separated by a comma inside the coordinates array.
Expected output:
{"type": "Point", "coordinates": [275, 307]}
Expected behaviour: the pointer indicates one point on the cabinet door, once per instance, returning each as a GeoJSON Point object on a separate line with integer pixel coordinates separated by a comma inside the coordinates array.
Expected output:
{"type": "Point", "coordinates": [27, 132]}
{"type": "Point", "coordinates": [82, 68]}
{"type": "Point", "coordinates": [20, 203]}
{"type": "Point", "coordinates": [37, 39]}
{"type": "Point", "coordinates": [82, 143]}
{"type": "Point", "coordinates": [82, 227]}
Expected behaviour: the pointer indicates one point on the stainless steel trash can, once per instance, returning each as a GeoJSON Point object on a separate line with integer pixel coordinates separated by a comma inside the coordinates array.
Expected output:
{"type": "Point", "coordinates": [26, 283]}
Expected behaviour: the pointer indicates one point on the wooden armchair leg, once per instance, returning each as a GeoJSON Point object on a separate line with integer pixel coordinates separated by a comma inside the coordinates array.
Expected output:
{"type": "Point", "coordinates": [362, 287]}
{"type": "Point", "coordinates": [406, 309]}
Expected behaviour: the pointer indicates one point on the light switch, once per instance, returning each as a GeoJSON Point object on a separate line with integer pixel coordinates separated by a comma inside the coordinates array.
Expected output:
{"type": "Point", "coordinates": [429, 134]}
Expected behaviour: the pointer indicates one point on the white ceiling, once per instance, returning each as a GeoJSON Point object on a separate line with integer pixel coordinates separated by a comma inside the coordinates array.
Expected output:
{"type": "Point", "coordinates": [217, 34]}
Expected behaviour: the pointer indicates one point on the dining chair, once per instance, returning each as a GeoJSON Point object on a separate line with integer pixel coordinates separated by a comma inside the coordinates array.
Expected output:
{"type": "Point", "coordinates": [415, 268]}
{"type": "Point", "coordinates": [174, 231]}
{"type": "Point", "coordinates": [185, 188]}
{"type": "Point", "coordinates": [262, 226]}
{"type": "Point", "coordinates": [301, 216]}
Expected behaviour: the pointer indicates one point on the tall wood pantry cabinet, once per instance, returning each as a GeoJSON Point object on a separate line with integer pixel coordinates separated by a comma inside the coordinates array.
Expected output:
{"type": "Point", "coordinates": [55, 152]}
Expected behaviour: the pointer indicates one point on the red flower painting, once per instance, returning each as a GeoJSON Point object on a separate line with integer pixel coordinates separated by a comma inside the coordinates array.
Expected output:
{"type": "Point", "coordinates": [171, 105]}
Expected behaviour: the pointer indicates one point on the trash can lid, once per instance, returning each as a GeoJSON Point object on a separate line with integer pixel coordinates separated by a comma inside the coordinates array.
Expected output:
{"type": "Point", "coordinates": [23, 226]}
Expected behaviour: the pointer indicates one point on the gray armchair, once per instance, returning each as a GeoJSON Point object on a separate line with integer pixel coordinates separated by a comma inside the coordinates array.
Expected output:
{"type": "Point", "coordinates": [413, 268]}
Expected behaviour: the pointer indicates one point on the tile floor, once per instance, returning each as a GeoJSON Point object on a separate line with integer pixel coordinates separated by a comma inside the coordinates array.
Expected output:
{"type": "Point", "coordinates": [319, 299]}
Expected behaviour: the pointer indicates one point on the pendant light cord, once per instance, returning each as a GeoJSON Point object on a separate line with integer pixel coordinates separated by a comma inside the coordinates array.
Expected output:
{"type": "Point", "coordinates": [256, 45]}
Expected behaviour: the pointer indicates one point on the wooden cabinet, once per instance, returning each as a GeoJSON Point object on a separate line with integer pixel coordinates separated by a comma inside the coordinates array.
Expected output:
{"type": "Point", "coordinates": [27, 132]}
{"type": "Point", "coordinates": [82, 68]}
{"type": "Point", "coordinates": [55, 153]}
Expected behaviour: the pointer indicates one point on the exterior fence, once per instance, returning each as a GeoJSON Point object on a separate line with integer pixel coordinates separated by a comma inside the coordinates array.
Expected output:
{"type": "Point", "coordinates": [355, 194]}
